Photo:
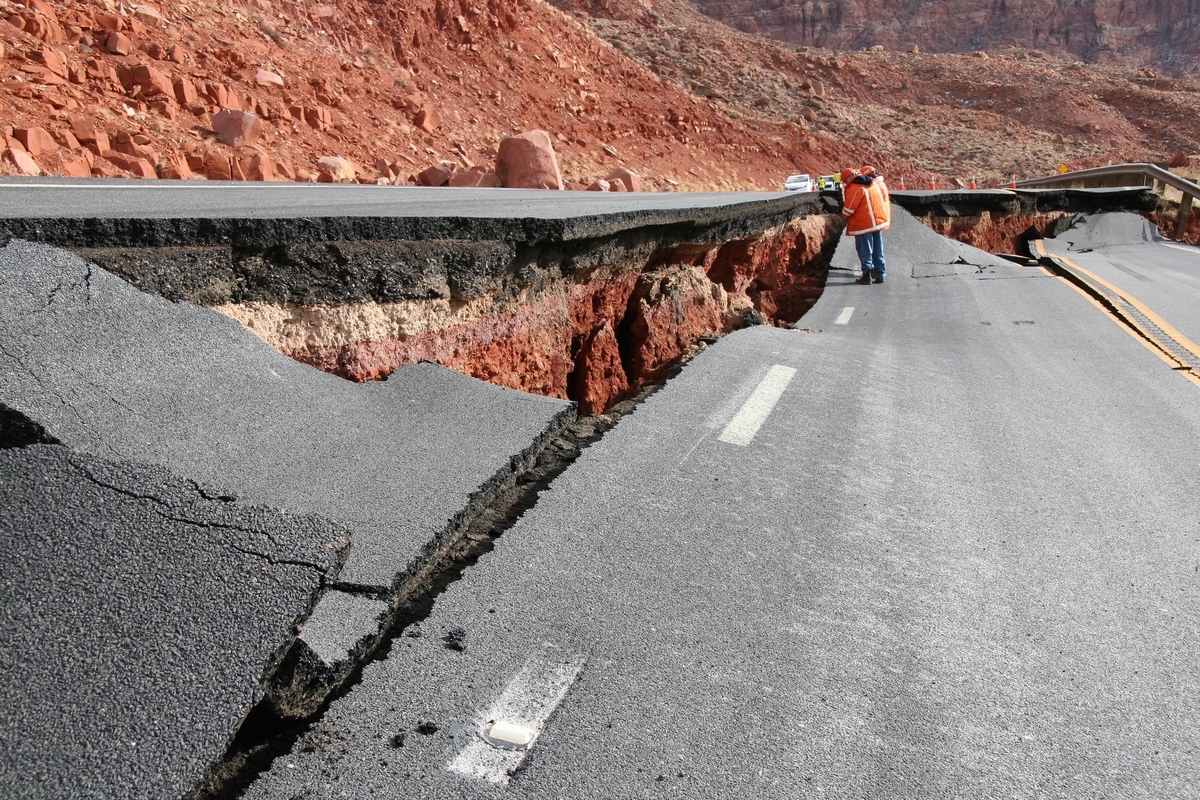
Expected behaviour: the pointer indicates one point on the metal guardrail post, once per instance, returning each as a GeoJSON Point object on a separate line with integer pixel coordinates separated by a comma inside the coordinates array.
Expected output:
{"type": "Point", "coordinates": [1181, 219]}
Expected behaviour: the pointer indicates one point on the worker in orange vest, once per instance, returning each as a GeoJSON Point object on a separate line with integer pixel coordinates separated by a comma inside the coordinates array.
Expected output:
{"type": "Point", "coordinates": [868, 212]}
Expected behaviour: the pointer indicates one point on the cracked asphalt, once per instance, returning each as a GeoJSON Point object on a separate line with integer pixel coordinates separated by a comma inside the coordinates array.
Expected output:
{"type": "Point", "coordinates": [139, 616]}
{"type": "Point", "coordinates": [120, 376]}
{"type": "Point", "coordinates": [958, 558]}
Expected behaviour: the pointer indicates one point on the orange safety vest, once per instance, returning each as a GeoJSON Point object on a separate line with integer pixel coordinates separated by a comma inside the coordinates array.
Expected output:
{"type": "Point", "coordinates": [866, 206]}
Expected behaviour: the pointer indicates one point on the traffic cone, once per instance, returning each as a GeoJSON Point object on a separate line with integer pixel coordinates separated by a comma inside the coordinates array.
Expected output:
{"type": "Point", "coordinates": [932, 184]}
{"type": "Point", "coordinates": [1013, 185]}
{"type": "Point", "coordinates": [902, 184]}
{"type": "Point", "coordinates": [974, 185]}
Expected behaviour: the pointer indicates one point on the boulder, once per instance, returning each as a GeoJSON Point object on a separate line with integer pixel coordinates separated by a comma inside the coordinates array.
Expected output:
{"type": "Point", "coordinates": [428, 119]}
{"type": "Point", "coordinates": [437, 175]}
{"type": "Point", "coordinates": [599, 185]}
{"type": "Point", "coordinates": [143, 169]}
{"type": "Point", "coordinates": [341, 170]}
{"type": "Point", "coordinates": [118, 44]}
{"type": "Point", "coordinates": [318, 118]}
{"type": "Point", "coordinates": [528, 161]}
{"type": "Point", "coordinates": [109, 22]}
{"type": "Point", "coordinates": [35, 140]}
{"type": "Point", "coordinates": [175, 168]}
{"type": "Point", "coordinates": [261, 169]}
{"type": "Point", "coordinates": [77, 168]}
{"type": "Point", "coordinates": [152, 81]}
{"type": "Point", "coordinates": [51, 59]}
{"type": "Point", "coordinates": [217, 167]}
{"type": "Point", "coordinates": [23, 161]}
{"type": "Point", "coordinates": [236, 128]}
{"type": "Point", "coordinates": [149, 17]}
{"type": "Point", "coordinates": [474, 178]}
{"type": "Point", "coordinates": [625, 176]}
{"type": "Point", "coordinates": [267, 78]}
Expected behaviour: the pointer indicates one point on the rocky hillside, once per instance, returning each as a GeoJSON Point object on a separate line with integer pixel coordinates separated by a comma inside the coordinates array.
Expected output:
{"type": "Point", "coordinates": [117, 89]}
{"type": "Point", "coordinates": [381, 92]}
{"type": "Point", "coordinates": [1153, 33]}
{"type": "Point", "coordinates": [989, 114]}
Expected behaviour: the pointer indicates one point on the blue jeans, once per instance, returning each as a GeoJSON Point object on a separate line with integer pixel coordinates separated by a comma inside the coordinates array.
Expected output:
{"type": "Point", "coordinates": [870, 254]}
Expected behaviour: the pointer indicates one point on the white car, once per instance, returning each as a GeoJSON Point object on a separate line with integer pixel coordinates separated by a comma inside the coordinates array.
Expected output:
{"type": "Point", "coordinates": [798, 183]}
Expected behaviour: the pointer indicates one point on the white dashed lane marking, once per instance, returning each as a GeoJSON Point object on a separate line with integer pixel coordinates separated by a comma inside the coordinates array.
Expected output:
{"type": "Point", "coordinates": [754, 412]}
{"type": "Point", "coordinates": [527, 702]}
{"type": "Point", "coordinates": [844, 317]}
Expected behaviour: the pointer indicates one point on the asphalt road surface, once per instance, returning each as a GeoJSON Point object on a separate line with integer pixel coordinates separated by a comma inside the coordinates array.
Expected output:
{"type": "Point", "coordinates": [938, 542]}
{"type": "Point", "coordinates": [113, 371]}
{"type": "Point", "coordinates": [29, 198]}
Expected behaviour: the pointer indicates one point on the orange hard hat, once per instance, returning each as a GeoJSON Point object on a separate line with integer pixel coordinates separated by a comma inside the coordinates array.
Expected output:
{"type": "Point", "coordinates": [847, 174]}
{"type": "Point", "coordinates": [866, 170]}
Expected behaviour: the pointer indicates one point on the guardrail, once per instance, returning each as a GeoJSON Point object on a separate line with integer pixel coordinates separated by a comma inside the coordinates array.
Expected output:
{"type": "Point", "coordinates": [1146, 175]}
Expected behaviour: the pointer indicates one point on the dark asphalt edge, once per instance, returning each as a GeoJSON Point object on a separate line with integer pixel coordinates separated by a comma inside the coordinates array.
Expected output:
{"type": "Point", "coordinates": [268, 232]}
{"type": "Point", "coordinates": [1064, 271]}
{"type": "Point", "coordinates": [964, 203]}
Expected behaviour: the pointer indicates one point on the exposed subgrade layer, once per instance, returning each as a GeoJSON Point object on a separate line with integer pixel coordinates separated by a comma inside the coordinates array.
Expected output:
{"type": "Point", "coordinates": [572, 304]}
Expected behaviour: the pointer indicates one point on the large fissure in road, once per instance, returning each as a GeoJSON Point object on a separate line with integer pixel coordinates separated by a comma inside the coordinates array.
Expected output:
{"type": "Point", "coordinates": [272, 729]}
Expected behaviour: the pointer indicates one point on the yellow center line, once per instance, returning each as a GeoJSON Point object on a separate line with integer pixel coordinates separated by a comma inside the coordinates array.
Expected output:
{"type": "Point", "coordinates": [1148, 343]}
{"type": "Point", "coordinates": [1163, 325]}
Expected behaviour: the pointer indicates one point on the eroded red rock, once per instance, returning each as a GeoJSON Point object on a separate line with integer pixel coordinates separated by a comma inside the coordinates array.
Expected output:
{"type": "Point", "coordinates": [599, 379]}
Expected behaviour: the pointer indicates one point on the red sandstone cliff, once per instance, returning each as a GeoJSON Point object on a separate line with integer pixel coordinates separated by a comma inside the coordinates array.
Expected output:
{"type": "Point", "coordinates": [1163, 35]}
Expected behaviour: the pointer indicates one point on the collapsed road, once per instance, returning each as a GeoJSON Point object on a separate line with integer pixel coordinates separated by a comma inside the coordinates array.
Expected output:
{"type": "Point", "coordinates": [396, 470]}
{"type": "Point", "coordinates": [938, 542]}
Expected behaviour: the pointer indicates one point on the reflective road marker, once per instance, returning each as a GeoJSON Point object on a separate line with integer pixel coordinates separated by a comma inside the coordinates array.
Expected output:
{"type": "Point", "coordinates": [754, 412]}
{"type": "Point", "coordinates": [524, 706]}
{"type": "Point", "coordinates": [844, 317]}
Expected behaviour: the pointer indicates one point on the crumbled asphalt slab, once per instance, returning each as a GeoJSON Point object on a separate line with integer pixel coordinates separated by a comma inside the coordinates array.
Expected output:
{"type": "Point", "coordinates": [404, 464]}
{"type": "Point", "coordinates": [141, 616]}
{"type": "Point", "coordinates": [1097, 231]}
{"type": "Point", "coordinates": [108, 369]}
{"type": "Point", "coordinates": [912, 249]}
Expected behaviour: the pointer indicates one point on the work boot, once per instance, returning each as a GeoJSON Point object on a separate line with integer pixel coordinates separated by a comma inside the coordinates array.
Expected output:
{"type": "Point", "coordinates": [878, 280]}
{"type": "Point", "coordinates": [864, 279]}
